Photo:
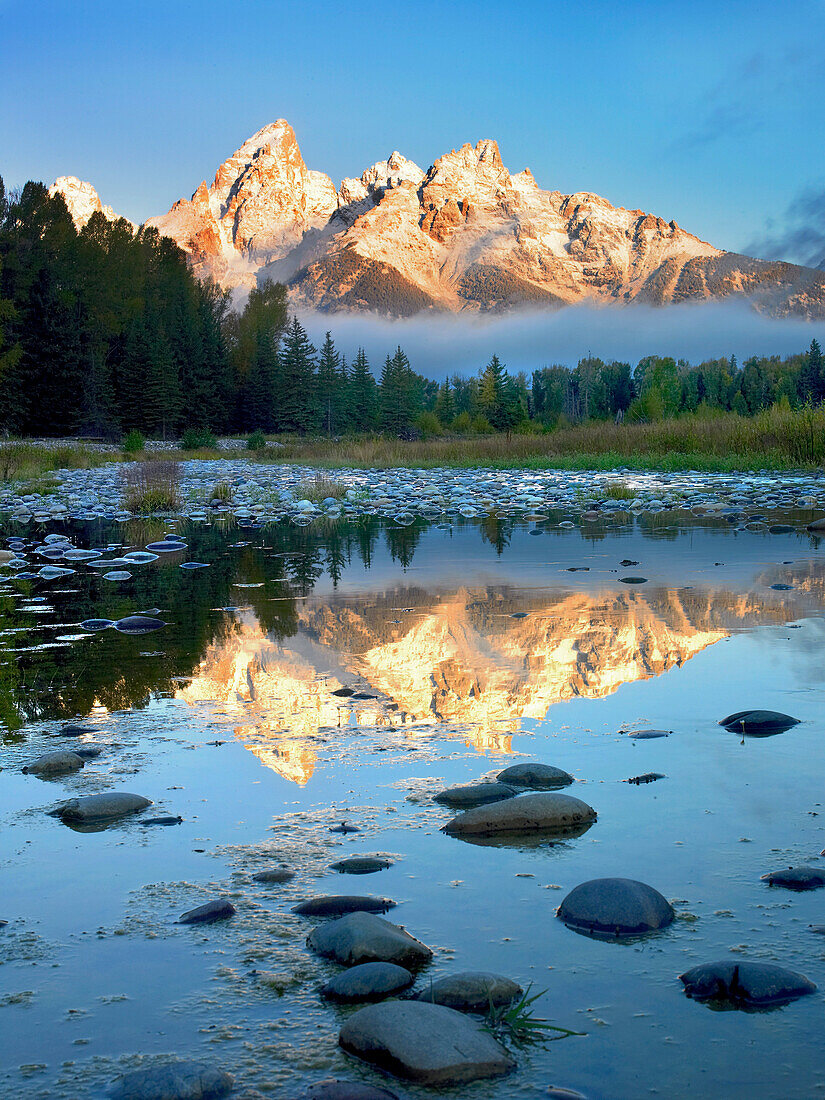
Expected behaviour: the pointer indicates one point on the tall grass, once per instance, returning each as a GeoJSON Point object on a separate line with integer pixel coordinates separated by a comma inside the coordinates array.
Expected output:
{"type": "Point", "coordinates": [19, 461]}
{"type": "Point", "coordinates": [151, 486]}
{"type": "Point", "coordinates": [320, 488]}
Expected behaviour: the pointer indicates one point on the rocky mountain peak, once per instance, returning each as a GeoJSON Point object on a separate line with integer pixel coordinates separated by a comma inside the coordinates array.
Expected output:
{"type": "Point", "coordinates": [81, 199]}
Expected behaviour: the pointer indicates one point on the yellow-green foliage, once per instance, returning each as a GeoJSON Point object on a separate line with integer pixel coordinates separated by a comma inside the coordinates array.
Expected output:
{"type": "Point", "coordinates": [151, 486]}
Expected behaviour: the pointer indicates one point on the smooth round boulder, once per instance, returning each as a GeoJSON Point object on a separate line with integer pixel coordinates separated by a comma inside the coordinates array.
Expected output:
{"type": "Point", "coordinates": [613, 908]}
{"type": "Point", "coordinates": [544, 813]}
{"type": "Point", "coordinates": [745, 984]}
{"type": "Point", "coordinates": [278, 874]}
{"type": "Point", "coordinates": [174, 1081]}
{"type": "Point", "coordinates": [139, 624]}
{"type": "Point", "coordinates": [93, 808]}
{"type": "Point", "coordinates": [471, 991]}
{"type": "Point", "coordinates": [428, 1044]}
{"type": "Point", "coordinates": [209, 912]}
{"type": "Point", "coordinates": [364, 937]}
{"type": "Point", "coordinates": [536, 777]}
{"type": "Point", "coordinates": [477, 794]}
{"type": "Point", "coordinates": [54, 763]}
{"type": "Point", "coordinates": [360, 865]}
{"type": "Point", "coordinates": [369, 981]}
{"type": "Point", "coordinates": [346, 1090]}
{"type": "Point", "coordinates": [758, 723]}
{"type": "Point", "coordinates": [797, 878]}
{"type": "Point", "coordinates": [817, 526]}
{"type": "Point", "coordinates": [338, 905]}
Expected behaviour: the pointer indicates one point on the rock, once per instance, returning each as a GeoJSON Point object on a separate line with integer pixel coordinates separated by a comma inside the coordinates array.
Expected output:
{"type": "Point", "coordinates": [633, 580]}
{"type": "Point", "coordinates": [615, 907]}
{"type": "Point", "coordinates": [346, 1090]}
{"type": "Point", "coordinates": [164, 819]}
{"type": "Point", "coordinates": [648, 777]}
{"type": "Point", "coordinates": [139, 624]}
{"type": "Point", "coordinates": [174, 1081]}
{"type": "Point", "coordinates": [646, 735]}
{"type": "Point", "coordinates": [539, 777]}
{"type": "Point", "coordinates": [345, 828]}
{"type": "Point", "coordinates": [425, 1043]}
{"type": "Point", "coordinates": [94, 625]}
{"type": "Point", "coordinates": [745, 983]}
{"type": "Point", "coordinates": [211, 911]}
{"type": "Point", "coordinates": [338, 905]}
{"type": "Point", "coordinates": [72, 730]}
{"type": "Point", "coordinates": [369, 981]}
{"type": "Point", "coordinates": [531, 813]}
{"type": "Point", "coordinates": [364, 937]}
{"type": "Point", "coordinates": [471, 991]}
{"type": "Point", "coordinates": [477, 794]}
{"type": "Point", "coordinates": [360, 865]}
{"type": "Point", "coordinates": [557, 1092]}
{"type": "Point", "coordinates": [93, 808]}
{"type": "Point", "coordinates": [780, 529]}
{"type": "Point", "coordinates": [54, 763]}
{"type": "Point", "coordinates": [88, 752]}
{"type": "Point", "coordinates": [817, 525]}
{"type": "Point", "coordinates": [758, 723]}
{"type": "Point", "coordinates": [279, 874]}
{"type": "Point", "coordinates": [797, 878]}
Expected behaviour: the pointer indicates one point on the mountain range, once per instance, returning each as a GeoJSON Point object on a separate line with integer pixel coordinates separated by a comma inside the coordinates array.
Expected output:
{"type": "Point", "coordinates": [466, 235]}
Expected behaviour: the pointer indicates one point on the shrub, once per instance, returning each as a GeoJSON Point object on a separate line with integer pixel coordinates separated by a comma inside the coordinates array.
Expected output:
{"type": "Point", "coordinates": [462, 423]}
{"type": "Point", "coordinates": [481, 425]}
{"type": "Point", "coordinates": [222, 491]}
{"type": "Point", "coordinates": [151, 486]}
{"type": "Point", "coordinates": [193, 439]}
{"type": "Point", "coordinates": [133, 443]}
{"type": "Point", "coordinates": [256, 442]}
{"type": "Point", "coordinates": [14, 459]}
{"type": "Point", "coordinates": [429, 425]}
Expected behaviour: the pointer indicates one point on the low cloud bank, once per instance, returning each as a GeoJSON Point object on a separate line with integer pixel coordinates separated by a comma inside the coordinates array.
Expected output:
{"type": "Point", "coordinates": [442, 345]}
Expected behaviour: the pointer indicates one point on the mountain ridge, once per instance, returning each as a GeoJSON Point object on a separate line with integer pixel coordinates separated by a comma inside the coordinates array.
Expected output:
{"type": "Point", "coordinates": [463, 236]}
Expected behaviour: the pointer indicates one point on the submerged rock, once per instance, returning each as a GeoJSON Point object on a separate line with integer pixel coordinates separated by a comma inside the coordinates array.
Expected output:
{"type": "Point", "coordinates": [278, 874]}
{"type": "Point", "coordinates": [72, 730]}
{"type": "Point", "coordinates": [360, 865]}
{"type": "Point", "coordinates": [345, 828]}
{"type": "Point", "coordinates": [364, 937]}
{"type": "Point", "coordinates": [648, 777]}
{"type": "Point", "coordinates": [531, 813]}
{"type": "Point", "coordinates": [101, 807]}
{"type": "Point", "coordinates": [338, 905]}
{"type": "Point", "coordinates": [477, 794]}
{"type": "Point", "coordinates": [174, 1081]}
{"type": "Point", "coordinates": [164, 819]}
{"type": "Point", "coordinates": [745, 984]}
{"type": "Point", "coordinates": [346, 1090]}
{"type": "Point", "coordinates": [539, 777]}
{"type": "Point", "coordinates": [87, 752]}
{"type": "Point", "coordinates": [367, 982]}
{"type": "Point", "coordinates": [615, 907]}
{"type": "Point", "coordinates": [211, 911]}
{"type": "Point", "coordinates": [139, 624]}
{"type": "Point", "coordinates": [54, 763]}
{"type": "Point", "coordinates": [471, 991]}
{"type": "Point", "coordinates": [797, 878]}
{"type": "Point", "coordinates": [758, 723]}
{"type": "Point", "coordinates": [425, 1043]}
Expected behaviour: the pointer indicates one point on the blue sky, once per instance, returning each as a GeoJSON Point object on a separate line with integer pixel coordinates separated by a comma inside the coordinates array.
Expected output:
{"type": "Point", "coordinates": [710, 113]}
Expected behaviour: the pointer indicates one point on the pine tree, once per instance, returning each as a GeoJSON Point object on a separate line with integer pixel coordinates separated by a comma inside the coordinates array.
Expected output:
{"type": "Point", "coordinates": [812, 375]}
{"type": "Point", "coordinates": [444, 403]}
{"type": "Point", "coordinates": [360, 406]}
{"type": "Point", "coordinates": [296, 405]}
{"type": "Point", "coordinates": [397, 396]}
{"type": "Point", "coordinates": [330, 387]}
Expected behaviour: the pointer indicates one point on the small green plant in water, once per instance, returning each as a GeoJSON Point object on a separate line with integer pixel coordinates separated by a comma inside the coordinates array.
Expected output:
{"type": "Point", "coordinates": [195, 439]}
{"type": "Point", "coordinates": [133, 443]}
{"type": "Point", "coordinates": [619, 490]}
{"type": "Point", "coordinates": [256, 442]}
{"type": "Point", "coordinates": [516, 1025]}
{"type": "Point", "coordinates": [222, 491]}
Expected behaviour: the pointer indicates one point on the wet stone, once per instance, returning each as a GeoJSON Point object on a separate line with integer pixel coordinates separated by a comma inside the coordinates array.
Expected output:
{"type": "Point", "coordinates": [338, 905]}
{"type": "Point", "coordinates": [54, 763]}
{"type": "Point", "coordinates": [364, 937]}
{"type": "Point", "coordinates": [360, 865]}
{"type": "Point", "coordinates": [646, 735]}
{"type": "Point", "coordinates": [139, 624]}
{"type": "Point", "coordinates": [745, 984]}
{"type": "Point", "coordinates": [530, 813]}
{"type": "Point", "coordinates": [478, 794]}
{"type": "Point", "coordinates": [164, 819]}
{"type": "Point", "coordinates": [346, 1090]}
{"type": "Point", "coordinates": [344, 828]}
{"type": "Point", "coordinates": [174, 1081]}
{"type": "Point", "coordinates": [101, 807]}
{"type": "Point", "coordinates": [425, 1043]}
{"type": "Point", "coordinates": [87, 752]}
{"type": "Point", "coordinates": [648, 777]}
{"type": "Point", "coordinates": [71, 730]}
{"type": "Point", "coordinates": [211, 911]}
{"type": "Point", "coordinates": [633, 580]}
{"type": "Point", "coordinates": [538, 777]}
{"type": "Point", "coordinates": [471, 991]}
{"type": "Point", "coordinates": [278, 874]}
{"type": "Point", "coordinates": [369, 981]}
{"type": "Point", "coordinates": [797, 878]}
{"type": "Point", "coordinates": [615, 907]}
{"type": "Point", "coordinates": [758, 723]}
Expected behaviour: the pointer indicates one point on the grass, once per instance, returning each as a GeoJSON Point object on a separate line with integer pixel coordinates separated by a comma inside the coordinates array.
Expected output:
{"type": "Point", "coordinates": [619, 490]}
{"type": "Point", "coordinates": [516, 1025]}
{"type": "Point", "coordinates": [151, 486]}
{"type": "Point", "coordinates": [222, 491]}
{"type": "Point", "coordinates": [319, 488]}
{"type": "Point", "coordinates": [24, 461]}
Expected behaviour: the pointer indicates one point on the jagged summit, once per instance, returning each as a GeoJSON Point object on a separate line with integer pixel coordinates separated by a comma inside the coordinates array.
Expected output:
{"type": "Point", "coordinates": [81, 199]}
{"type": "Point", "coordinates": [463, 236]}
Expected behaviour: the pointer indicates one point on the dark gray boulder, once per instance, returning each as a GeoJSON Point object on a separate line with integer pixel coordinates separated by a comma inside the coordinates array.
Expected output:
{"type": "Point", "coordinates": [797, 878]}
{"type": "Point", "coordinates": [425, 1043]}
{"type": "Point", "coordinates": [338, 905]}
{"type": "Point", "coordinates": [364, 937]}
{"type": "Point", "coordinates": [477, 794]}
{"type": "Point", "coordinates": [164, 819]}
{"type": "Point", "coordinates": [88, 752]}
{"type": "Point", "coordinates": [211, 911]}
{"type": "Point", "coordinates": [545, 813]}
{"type": "Point", "coordinates": [369, 981]}
{"type": "Point", "coordinates": [615, 907]}
{"type": "Point", "coordinates": [95, 808]}
{"type": "Point", "coordinates": [360, 865]}
{"type": "Point", "coordinates": [278, 874]}
{"type": "Point", "coordinates": [817, 526]}
{"type": "Point", "coordinates": [537, 777]}
{"type": "Point", "coordinates": [346, 1090]}
{"type": "Point", "coordinates": [471, 991]}
{"type": "Point", "coordinates": [139, 624]}
{"type": "Point", "coordinates": [758, 723]}
{"type": "Point", "coordinates": [54, 763]}
{"type": "Point", "coordinates": [745, 984]}
{"type": "Point", "coordinates": [174, 1081]}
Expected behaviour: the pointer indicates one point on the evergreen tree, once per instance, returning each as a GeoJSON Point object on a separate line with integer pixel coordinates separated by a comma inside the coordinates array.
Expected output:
{"type": "Point", "coordinates": [330, 387]}
{"type": "Point", "coordinates": [361, 395]}
{"type": "Point", "coordinates": [398, 406]}
{"type": "Point", "coordinates": [296, 406]}
{"type": "Point", "coordinates": [812, 375]}
{"type": "Point", "coordinates": [444, 403]}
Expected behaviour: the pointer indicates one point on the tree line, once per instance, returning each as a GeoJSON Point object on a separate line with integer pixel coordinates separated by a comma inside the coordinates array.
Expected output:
{"type": "Point", "coordinates": [105, 330]}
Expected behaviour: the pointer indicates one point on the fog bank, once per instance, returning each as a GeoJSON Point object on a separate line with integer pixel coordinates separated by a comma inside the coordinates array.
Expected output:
{"type": "Point", "coordinates": [440, 345]}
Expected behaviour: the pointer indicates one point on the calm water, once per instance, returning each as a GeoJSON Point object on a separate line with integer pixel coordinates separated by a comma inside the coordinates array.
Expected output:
{"type": "Point", "coordinates": [476, 647]}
